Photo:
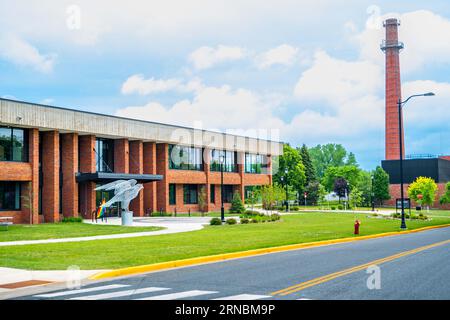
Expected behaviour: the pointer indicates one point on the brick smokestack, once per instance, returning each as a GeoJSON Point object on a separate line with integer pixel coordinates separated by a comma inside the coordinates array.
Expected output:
{"type": "Point", "coordinates": [391, 47]}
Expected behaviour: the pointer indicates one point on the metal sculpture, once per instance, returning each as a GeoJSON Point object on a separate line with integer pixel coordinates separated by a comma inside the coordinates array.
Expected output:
{"type": "Point", "coordinates": [124, 192]}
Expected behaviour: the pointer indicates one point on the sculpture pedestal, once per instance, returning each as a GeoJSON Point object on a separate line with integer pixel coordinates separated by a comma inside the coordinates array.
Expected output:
{"type": "Point", "coordinates": [127, 218]}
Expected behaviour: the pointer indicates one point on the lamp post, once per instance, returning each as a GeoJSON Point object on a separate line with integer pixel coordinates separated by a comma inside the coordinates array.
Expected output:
{"type": "Point", "coordinates": [222, 209]}
{"type": "Point", "coordinates": [400, 105]}
{"type": "Point", "coordinates": [286, 181]}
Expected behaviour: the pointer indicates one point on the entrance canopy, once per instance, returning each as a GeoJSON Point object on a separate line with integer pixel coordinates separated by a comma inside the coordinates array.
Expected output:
{"type": "Point", "coordinates": [111, 176]}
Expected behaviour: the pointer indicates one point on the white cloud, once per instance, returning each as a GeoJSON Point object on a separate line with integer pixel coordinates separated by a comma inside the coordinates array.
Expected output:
{"type": "Point", "coordinates": [423, 34]}
{"type": "Point", "coordinates": [138, 84]}
{"type": "Point", "coordinates": [282, 55]}
{"type": "Point", "coordinates": [22, 53]}
{"type": "Point", "coordinates": [207, 57]}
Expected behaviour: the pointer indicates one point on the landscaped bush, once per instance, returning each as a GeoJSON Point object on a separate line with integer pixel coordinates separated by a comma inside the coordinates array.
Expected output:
{"type": "Point", "coordinates": [254, 220]}
{"type": "Point", "coordinates": [295, 208]}
{"type": "Point", "coordinates": [245, 220]}
{"type": "Point", "coordinates": [333, 208]}
{"type": "Point", "coordinates": [252, 213]}
{"type": "Point", "coordinates": [340, 207]}
{"type": "Point", "coordinates": [275, 217]}
{"type": "Point", "coordinates": [236, 204]}
{"type": "Point", "coordinates": [215, 222]}
{"type": "Point", "coordinates": [72, 219]}
{"type": "Point", "coordinates": [231, 221]}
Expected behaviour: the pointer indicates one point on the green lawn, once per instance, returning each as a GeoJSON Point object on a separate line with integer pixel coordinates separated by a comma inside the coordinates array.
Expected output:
{"type": "Point", "coordinates": [64, 230]}
{"type": "Point", "coordinates": [116, 253]}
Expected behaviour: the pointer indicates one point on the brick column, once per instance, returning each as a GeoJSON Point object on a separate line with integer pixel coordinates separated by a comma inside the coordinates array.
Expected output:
{"type": "Point", "coordinates": [30, 191]}
{"type": "Point", "coordinates": [162, 167]}
{"type": "Point", "coordinates": [87, 165]}
{"type": "Point", "coordinates": [136, 165]}
{"type": "Point", "coordinates": [149, 166]}
{"type": "Point", "coordinates": [206, 168]}
{"type": "Point", "coordinates": [121, 156]}
{"type": "Point", "coordinates": [69, 163]}
{"type": "Point", "coordinates": [241, 170]}
{"type": "Point", "coordinates": [50, 173]}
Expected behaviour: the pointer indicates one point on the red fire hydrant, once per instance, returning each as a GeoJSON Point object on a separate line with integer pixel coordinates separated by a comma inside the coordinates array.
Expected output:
{"type": "Point", "coordinates": [357, 223]}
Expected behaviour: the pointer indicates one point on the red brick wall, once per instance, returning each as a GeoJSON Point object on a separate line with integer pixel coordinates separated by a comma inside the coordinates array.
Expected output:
{"type": "Point", "coordinates": [121, 156]}
{"type": "Point", "coordinates": [15, 171]}
{"type": "Point", "coordinates": [149, 167]}
{"type": "Point", "coordinates": [87, 164]}
{"type": "Point", "coordinates": [394, 191]}
{"type": "Point", "coordinates": [50, 176]}
{"type": "Point", "coordinates": [69, 154]}
{"type": "Point", "coordinates": [136, 165]}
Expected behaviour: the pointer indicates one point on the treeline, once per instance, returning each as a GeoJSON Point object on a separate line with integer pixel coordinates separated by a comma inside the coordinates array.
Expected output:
{"type": "Point", "coordinates": [318, 171]}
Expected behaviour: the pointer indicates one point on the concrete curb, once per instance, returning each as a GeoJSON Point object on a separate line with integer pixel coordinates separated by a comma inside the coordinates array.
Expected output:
{"type": "Point", "coordinates": [243, 254]}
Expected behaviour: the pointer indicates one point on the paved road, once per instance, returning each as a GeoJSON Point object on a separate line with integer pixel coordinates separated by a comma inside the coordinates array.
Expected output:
{"type": "Point", "coordinates": [412, 266]}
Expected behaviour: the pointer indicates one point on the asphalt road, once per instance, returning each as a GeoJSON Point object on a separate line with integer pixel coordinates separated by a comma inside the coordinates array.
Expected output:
{"type": "Point", "coordinates": [328, 272]}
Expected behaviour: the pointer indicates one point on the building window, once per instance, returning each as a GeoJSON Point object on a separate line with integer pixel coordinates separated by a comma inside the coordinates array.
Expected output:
{"type": "Point", "coordinates": [172, 194]}
{"type": "Point", "coordinates": [185, 158]}
{"type": "Point", "coordinates": [255, 163]}
{"type": "Point", "coordinates": [227, 193]}
{"type": "Point", "coordinates": [13, 144]}
{"type": "Point", "coordinates": [212, 193]}
{"type": "Point", "coordinates": [190, 193]}
{"type": "Point", "coordinates": [104, 149]}
{"type": "Point", "coordinates": [230, 160]}
{"type": "Point", "coordinates": [9, 195]}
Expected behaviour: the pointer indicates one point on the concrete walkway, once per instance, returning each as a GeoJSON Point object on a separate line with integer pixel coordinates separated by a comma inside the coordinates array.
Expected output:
{"type": "Point", "coordinates": [171, 225]}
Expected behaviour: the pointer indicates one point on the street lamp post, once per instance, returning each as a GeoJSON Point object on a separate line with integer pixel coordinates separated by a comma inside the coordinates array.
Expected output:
{"type": "Point", "coordinates": [222, 209]}
{"type": "Point", "coordinates": [287, 195]}
{"type": "Point", "coordinates": [400, 124]}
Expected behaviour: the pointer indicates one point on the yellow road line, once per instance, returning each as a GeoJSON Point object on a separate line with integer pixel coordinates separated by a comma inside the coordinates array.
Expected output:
{"type": "Point", "coordinates": [326, 278]}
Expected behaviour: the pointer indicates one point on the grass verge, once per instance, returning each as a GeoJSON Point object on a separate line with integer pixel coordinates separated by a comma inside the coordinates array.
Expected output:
{"type": "Point", "coordinates": [64, 230]}
{"type": "Point", "coordinates": [119, 253]}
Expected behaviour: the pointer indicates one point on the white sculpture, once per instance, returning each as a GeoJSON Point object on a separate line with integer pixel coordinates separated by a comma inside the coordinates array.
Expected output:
{"type": "Point", "coordinates": [124, 192]}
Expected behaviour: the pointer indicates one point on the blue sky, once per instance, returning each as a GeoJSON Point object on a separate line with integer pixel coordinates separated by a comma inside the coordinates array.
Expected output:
{"type": "Point", "coordinates": [306, 71]}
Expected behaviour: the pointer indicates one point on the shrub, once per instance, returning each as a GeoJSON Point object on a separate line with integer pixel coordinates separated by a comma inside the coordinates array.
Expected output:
{"type": "Point", "coordinates": [253, 220]}
{"type": "Point", "coordinates": [275, 217]}
{"type": "Point", "coordinates": [236, 204]}
{"type": "Point", "coordinates": [295, 208]}
{"type": "Point", "coordinates": [340, 207]}
{"type": "Point", "coordinates": [245, 220]}
{"type": "Point", "coordinates": [72, 219]}
{"type": "Point", "coordinates": [333, 208]}
{"type": "Point", "coordinates": [231, 221]}
{"type": "Point", "coordinates": [215, 222]}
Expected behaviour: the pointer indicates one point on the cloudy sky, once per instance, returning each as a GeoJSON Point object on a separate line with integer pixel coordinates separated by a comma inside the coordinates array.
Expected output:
{"type": "Point", "coordinates": [312, 70]}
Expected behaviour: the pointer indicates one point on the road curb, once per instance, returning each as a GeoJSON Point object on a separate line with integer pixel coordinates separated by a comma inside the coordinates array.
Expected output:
{"type": "Point", "coordinates": [243, 254]}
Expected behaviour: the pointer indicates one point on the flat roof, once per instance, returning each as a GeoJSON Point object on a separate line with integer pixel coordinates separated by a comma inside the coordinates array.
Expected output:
{"type": "Point", "coordinates": [46, 117]}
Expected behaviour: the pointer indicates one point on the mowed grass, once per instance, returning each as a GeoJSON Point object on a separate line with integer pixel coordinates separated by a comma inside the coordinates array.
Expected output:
{"type": "Point", "coordinates": [64, 230]}
{"type": "Point", "coordinates": [117, 253]}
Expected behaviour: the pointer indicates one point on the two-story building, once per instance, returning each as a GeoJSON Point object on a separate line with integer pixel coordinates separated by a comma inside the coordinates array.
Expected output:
{"type": "Point", "coordinates": [52, 159]}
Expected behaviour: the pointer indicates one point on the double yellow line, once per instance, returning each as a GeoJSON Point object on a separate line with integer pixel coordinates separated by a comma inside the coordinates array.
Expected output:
{"type": "Point", "coordinates": [326, 278]}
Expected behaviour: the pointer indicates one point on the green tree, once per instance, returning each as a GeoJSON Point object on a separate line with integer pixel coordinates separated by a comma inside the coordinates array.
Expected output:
{"type": "Point", "coordinates": [423, 191]}
{"type": "Point", "coordinates": [355, 198]}
{"type": "Point", "coordinates": [270, 194]}
{"type": "Point", "coordinates": [324, 156]}
{"type": "Point", "coordinates": [292, 162]}
{"type": "Point", "coordinates": [381, 185]}
{"type": "Point", "coordinates": [351, 174]}
{"type": "Point", "coordinates": [364, 185]}
{"type": "Point", "coordinates": [202, 199]}
{"type": "Point", "coordinates": [446, 196]}
{"type": "Point", "coordinates": [351, 160]}
{"type": "Point", "coordinates": [310, 172]}
{"type": "Point", "coordinates": [313, 189]}
{"type": "Point", "coordinates": [236, 204]}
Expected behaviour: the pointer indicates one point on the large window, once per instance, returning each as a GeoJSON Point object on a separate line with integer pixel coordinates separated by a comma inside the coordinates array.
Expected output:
{"type": "Point", "coordinates": [212, 194]}
{"type": "Point", "coordinates": [255, 163]}
{"type": "Point", "coordinates": [172, 194]}
{"type": "Point", "coordinates": [104, 149]}
{"type": "Point", "coordinates": [227, 193]}
{"type": "Point", "coordinates": [185, 158]}
{"type": "Point", "coordinates": [190, 193]}
{"type": "Point", "coordinates": [13, 144]}
{"type": "Point", "coordinates": [229, 158]}
{"type": "Point", "coordinates": [9, 195]}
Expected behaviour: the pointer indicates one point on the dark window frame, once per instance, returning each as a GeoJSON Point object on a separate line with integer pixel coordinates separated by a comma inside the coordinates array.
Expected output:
{"type": "Point", "coordinates": [230, 160]}
{"type": "Point", "coordinates": [188, 190]}
{"type": "Point", "coordinates": [103, 164]}
{"type": "Point", "coordinates": [255, 163]}
{"type": "Point", "coordinates": [172, 194]}
{"type": "Point", "coordinates": [11, 145]}
{"type": "Point", "coordinates": [191, 158]}
{"type": "Point", "coordinates": [17, 190]}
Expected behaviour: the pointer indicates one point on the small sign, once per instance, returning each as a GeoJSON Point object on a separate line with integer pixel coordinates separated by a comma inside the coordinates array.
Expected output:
{"type": "Point", "coordinates": [406, 203]}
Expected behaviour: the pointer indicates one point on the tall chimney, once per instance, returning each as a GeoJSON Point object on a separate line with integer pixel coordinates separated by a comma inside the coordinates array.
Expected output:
{"type": "Point", "coordinates": [391, 47]}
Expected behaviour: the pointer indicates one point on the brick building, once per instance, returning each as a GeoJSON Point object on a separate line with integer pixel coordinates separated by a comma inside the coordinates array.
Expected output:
{"type": "Point", "coordinates": [52, 159]}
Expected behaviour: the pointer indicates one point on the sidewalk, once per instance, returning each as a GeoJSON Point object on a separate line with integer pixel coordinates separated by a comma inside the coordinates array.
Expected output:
{"type": "Point", "coordinates": [171, 225]}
